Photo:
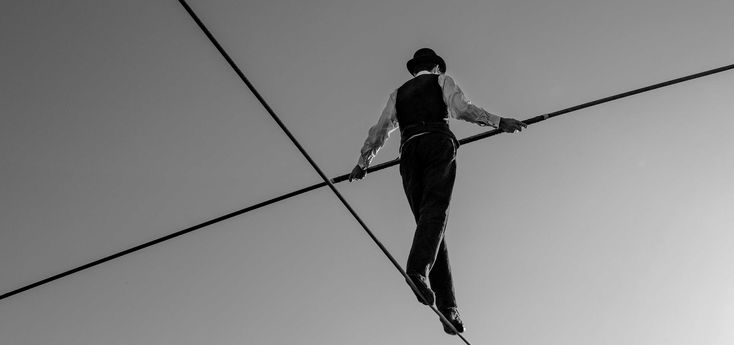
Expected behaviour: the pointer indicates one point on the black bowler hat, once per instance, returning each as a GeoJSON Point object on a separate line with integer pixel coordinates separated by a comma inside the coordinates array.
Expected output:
{"type": "Point", "coordinates": [425, 55]}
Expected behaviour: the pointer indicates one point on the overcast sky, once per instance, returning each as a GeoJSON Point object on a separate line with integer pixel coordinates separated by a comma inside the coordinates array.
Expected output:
{"type": "Point", "coordinates": [121, 123]}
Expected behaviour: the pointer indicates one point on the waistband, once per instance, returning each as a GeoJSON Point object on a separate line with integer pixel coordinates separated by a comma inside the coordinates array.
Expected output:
{"type": "Point", "coordinates": [410, 132]}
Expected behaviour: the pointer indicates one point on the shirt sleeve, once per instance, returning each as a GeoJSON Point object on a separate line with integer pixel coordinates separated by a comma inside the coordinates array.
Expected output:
{"type": "Point", "coordinates": [461, 108]}
{"type": "Point", "coordinates": [379, 133]}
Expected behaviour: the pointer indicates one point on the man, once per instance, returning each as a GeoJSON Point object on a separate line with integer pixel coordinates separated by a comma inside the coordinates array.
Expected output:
{"type": "Point", "coordinates": [421, 108]}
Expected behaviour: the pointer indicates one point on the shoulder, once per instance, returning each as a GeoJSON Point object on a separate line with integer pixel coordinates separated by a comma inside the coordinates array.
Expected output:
{"type": "Point", "coordinates": [392, 98]}
{"type": "Point", "coordinates": [447, 83]}
{"type": "Point", "coordinates": [445, 80]}
{"type": "Point", "coordinates": [393, 94]}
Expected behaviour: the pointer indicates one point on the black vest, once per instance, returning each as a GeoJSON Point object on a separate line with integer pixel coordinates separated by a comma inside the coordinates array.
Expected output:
{"type": "Point", "coordinates": [420, 108]}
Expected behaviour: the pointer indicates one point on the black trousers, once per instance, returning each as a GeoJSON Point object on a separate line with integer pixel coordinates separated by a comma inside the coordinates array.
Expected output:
{"type": "Point", "coordinates": [428, 170]}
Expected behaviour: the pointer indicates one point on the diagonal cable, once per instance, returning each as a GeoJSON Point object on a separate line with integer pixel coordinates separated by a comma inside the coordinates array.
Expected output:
{"type": "Point", "coordinates": [311, 161]}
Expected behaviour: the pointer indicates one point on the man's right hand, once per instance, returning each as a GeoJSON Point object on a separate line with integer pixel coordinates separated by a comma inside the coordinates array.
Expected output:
{"type": "Point", "coordinates": [357, 173]}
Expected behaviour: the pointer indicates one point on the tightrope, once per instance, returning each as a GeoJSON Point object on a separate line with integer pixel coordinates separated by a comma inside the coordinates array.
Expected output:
{"type": "Point", "coordinates": [312, 162]}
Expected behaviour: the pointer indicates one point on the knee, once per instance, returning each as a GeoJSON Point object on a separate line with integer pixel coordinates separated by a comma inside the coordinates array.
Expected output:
{"type": "Point", "coordinates": [433, 215]}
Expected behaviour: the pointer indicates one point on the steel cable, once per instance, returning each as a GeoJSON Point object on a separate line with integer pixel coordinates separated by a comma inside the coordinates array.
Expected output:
{"type": "Point", "coordinates": [311, 161]}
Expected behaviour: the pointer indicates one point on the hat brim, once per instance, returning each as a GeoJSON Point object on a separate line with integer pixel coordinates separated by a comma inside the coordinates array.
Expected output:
{"type": "Point", "coordinates": [426, 59]}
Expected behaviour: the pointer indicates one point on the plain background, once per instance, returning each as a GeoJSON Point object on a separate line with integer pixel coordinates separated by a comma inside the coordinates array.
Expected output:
{"type": "Point", "coordinates": [121, 123]}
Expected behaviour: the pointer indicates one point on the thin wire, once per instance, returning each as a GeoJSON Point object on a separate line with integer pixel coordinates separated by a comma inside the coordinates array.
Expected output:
{"type": "Point", "coordinates": [344, 177]}
{"type": "Point", "coordinates": [310, 160]}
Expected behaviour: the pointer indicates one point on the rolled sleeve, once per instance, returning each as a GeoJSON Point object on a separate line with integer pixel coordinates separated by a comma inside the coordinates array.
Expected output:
{"type": "Point", "coordinates": [461, 108]}
{"type": "Point", "coordinates": [379, 133]}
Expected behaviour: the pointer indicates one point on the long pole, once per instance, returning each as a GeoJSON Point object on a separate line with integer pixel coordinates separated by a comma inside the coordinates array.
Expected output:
{"type": "Point", "coordinates": [344, 177]}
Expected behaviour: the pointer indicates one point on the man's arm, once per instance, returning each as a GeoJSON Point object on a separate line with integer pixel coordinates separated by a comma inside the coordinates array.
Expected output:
{"type": "Point", "coordinates": [461, 108]}
{"type": "Point", "coordinates": [376, 138]}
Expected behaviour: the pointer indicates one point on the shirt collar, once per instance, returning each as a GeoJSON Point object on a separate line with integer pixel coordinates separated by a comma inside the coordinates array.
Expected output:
{"type": "Point", "coordinates": [422, 73]}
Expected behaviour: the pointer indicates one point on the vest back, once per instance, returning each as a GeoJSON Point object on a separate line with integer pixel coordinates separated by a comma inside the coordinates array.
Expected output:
{"type": "Point", "coordinates": [420, 108]}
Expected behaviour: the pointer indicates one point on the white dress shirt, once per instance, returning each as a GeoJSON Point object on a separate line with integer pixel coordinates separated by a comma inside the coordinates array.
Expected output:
{"type": "Point", "coordinates": [456, 103]}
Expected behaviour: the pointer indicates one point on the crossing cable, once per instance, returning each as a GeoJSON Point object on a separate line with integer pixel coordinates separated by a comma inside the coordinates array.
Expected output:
{"type": "Point", "coordinates": [313, 164]}
{"type": "Point", "coordinates": [344, 177]}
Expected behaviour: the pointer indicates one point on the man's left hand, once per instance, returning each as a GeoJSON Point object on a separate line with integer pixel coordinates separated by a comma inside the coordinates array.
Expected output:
{"type": "Point", "coordinates": [509, 125]}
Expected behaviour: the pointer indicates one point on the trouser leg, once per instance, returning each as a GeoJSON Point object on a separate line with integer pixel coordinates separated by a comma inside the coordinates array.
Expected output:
{"type": "Point", "coordinates": [429, 171]}
{"type": "Point", "coordinates": [441, 281]}
{"type": "Point", "coordinates": [412, 183]}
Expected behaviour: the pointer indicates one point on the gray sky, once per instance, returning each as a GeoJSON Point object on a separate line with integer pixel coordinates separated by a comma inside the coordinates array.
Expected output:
{"type": "Point", "coordinates": [121, 123]}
